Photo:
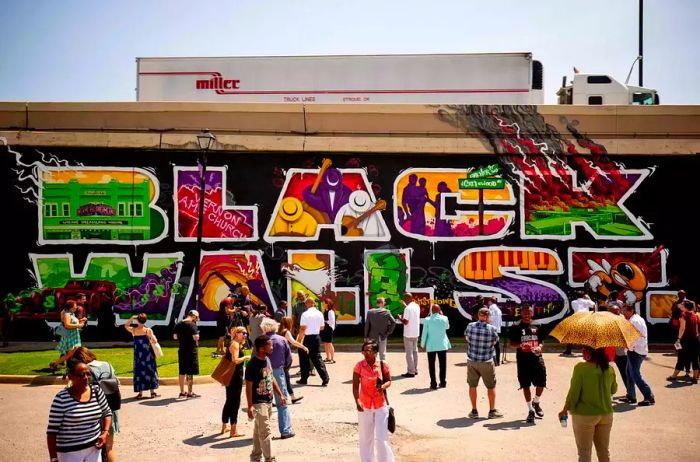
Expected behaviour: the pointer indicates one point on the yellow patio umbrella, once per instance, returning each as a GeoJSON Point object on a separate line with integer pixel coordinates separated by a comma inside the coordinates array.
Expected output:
{"type": "Point", "coordinates": [596, 329]}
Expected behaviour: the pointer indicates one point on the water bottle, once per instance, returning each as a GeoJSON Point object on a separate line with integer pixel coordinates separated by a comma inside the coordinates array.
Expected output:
{"type": "Point", "coordinates": [563, 421]}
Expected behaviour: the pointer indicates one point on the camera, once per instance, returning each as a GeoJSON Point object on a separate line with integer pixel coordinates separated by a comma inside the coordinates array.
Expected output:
{"type": "Point", "coordinates": [380, 382]}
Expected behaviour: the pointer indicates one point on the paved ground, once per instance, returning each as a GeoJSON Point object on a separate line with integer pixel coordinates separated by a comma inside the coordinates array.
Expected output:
{"type": "Point", "coordinates": [432, 424]}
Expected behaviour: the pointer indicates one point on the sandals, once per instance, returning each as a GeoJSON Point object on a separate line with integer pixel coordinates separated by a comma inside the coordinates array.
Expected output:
{"type": "Point", "coordinates": [139, 396]}
{"type": "Point", "coordinates": [192, 395]}
{"type": "Point", "coordinates": [154, 395]}
{"type": "Point", "coordinates": [182, 395]}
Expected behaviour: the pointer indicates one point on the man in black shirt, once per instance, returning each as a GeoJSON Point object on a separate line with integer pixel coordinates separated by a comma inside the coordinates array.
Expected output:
{"type": "Point", "coordinates": [187, 335]}
{"type": "Point", "coordinates": [531, 369]}
{"type": "Point", "coordinates": [259, 385]}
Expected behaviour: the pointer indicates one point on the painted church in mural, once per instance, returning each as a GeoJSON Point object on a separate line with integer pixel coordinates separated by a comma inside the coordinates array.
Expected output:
{"type": "Point", "coordinates": [546, 214]}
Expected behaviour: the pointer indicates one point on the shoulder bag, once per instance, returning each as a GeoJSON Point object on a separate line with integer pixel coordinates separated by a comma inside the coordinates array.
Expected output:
{"type": "Point", "coordinates": [224, 371]}
{"type": "Point", "coordinates": [391, 422]}
{"type": "Point", "coordinates": [155, 346]}
{"type": "Point", "coordinates": [109, 384]}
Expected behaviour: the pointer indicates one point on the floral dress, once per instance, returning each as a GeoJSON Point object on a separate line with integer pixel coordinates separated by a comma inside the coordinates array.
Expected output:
{"type": "Point", "coordinates": [70, 338]}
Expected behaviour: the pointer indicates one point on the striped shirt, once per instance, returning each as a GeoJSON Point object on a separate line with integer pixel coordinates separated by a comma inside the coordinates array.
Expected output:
{"type": "Point", "coordinates": [481, 338]}
{"type": "Point", "coordinates": [77, 425]}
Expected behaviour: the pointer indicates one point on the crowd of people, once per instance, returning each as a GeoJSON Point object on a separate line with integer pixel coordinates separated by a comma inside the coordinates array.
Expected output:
{"type": "Point", "coordinates": [84, 417]}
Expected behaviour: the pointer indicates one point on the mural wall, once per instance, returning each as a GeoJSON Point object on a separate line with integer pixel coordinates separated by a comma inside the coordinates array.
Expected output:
{"type": "Point", "coordinates": [549, 212]}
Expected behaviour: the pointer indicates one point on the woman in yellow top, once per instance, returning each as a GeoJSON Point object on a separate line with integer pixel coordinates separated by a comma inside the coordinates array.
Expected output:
{"type": "Point", "coordinates": [590, 402]}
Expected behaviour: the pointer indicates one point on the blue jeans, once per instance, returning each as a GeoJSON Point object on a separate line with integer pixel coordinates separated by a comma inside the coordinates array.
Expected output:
{"type": "Point", "coordinates": [634, 377]}
{"type": "Point", "coordinates": [284, 420]}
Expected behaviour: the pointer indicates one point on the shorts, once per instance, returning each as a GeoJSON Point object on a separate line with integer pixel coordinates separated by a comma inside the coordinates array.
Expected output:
{"type": "Point", "coordinates": [481, 369]}
{"type": "Point", "coordinates": [532, 372]}
{"type": "Point", "coordinates": [188, 362]}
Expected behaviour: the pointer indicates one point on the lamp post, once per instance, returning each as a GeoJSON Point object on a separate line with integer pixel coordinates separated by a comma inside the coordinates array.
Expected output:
{"type": "Point", "coordinates": [205, 140]}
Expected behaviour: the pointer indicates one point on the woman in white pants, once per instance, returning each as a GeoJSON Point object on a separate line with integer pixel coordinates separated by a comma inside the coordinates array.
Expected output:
{"type": "Point", "coordinates": [369, 380]}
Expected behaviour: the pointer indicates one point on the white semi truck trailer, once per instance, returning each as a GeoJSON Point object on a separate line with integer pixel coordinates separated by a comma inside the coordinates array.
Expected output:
{"type": "Point", "coordinates": [476, 78]}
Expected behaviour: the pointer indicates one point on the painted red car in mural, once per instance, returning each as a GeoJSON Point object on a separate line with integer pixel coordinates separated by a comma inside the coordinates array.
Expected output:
{"type": "Point", "coordinates": [48, 302]}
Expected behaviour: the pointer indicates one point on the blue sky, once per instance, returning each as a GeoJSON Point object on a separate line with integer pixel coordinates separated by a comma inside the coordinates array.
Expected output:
{"type": "Point", "coordinates": [72, 50]}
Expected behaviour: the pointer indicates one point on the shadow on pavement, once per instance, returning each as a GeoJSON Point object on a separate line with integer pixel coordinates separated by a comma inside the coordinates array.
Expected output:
{"type": "Point", "coordinates": [232, 443]}
{"type": "Point", "coordinates": [461, 364]}
{"type": "Point", "coordinates": [158, 402]}
{"type": "Point", "coordinates": [680, 383]}
{"type": "Point", "coordinates": [510, 425]}
{"type": "Point", "coordinates": [459, 422]}
{"type": "Point", "coordinates": [201, 440]}
{"type": "Point", "coordinates": [623, 407]}
{"type": "Point", "coordinates": [416, 391]}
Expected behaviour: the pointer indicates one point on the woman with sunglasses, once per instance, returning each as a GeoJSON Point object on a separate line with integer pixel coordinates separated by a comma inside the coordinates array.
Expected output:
{"type": "Point", "coordinates": [370, 379]}
{"type": "Point", "coordinates": [233, 391]}
{"type": "Point", "coordinates": [79, 419]}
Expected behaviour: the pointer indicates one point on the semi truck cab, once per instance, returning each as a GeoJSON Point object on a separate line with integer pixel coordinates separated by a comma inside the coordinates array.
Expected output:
{"type": "Point", "coordinates": [597, 89]}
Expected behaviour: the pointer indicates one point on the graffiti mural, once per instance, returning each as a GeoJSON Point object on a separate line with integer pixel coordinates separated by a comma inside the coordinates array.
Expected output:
{"type": "Point", "coordinates": [387, 274]}
{"type": "Point", "coordinates": [425, 204]}
{"type": "Point", "coordinates": [560, 188]}
{"type": "Point", "coordinates": [222, 222]}
{"type": "Point", "coordinates": [629, 272]}
{"type": "Point", "coordinates": [506, 271]}
{"type": "Point", "coordinates": [314, 272]}
{"type": "Point", "coordinates": [106, 205]}
{"type": "Point", "coordinates": [545, 190]}
{"type": "Point", "coordinates": [114, 291]}
{"type": "Point", "coordinates": [223, 272]}
{"type": "Point", "coordinates": [329, 197]}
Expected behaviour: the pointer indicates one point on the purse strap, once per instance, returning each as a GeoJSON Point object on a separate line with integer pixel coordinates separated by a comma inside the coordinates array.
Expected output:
{"type": "Point", "coordinates": [381, 371]}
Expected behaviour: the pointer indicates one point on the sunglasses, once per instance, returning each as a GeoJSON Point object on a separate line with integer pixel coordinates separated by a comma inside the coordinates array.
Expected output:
{"type": "Point", "coordinates": [84, 374]}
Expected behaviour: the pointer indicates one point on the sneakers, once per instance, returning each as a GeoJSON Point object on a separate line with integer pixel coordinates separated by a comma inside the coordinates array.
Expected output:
{"type": "Point", "coordinates": [531, 417]}
{"type": "Point", "coordinates": [647, 402]}
{"type": "Point", "coordinates": [288, 435]}
{"type": "Point", "coordinates": [671, 378]}
{"type": "Point", "coordinates": [494, 414]}
{"type": "Point", "coordinates": [628, 400]}
{"type": "Point", "coordinates": [474, 414]}
{"type": "Point", "coordinates": [538, 410]}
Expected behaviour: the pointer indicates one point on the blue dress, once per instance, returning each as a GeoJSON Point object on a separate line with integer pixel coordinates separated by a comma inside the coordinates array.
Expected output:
{"type": "Point", "coordinates": [145, 371]}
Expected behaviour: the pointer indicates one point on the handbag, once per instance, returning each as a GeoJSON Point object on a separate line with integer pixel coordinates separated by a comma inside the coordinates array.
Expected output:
{"type": "Point", "coordinates": [224, 371]}
{"type": "Point", "coordinates": [155, 346]}
{"type": "Point", "coordinates": [391, 421]}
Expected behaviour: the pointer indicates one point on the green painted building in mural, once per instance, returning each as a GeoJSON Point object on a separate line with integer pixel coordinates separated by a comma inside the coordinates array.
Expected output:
{"type": "Point", "coordinates": [113, 210]}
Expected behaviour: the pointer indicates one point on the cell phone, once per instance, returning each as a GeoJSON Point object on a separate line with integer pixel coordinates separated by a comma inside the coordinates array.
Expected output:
{"type": "Point", "coordinates": [379, 383]}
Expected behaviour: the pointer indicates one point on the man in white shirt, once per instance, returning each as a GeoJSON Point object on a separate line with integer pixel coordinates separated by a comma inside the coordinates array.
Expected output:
{"type": "Point", "coordinates": [310, 327]}
{"type": "Point", "coordinates": [582, 303]}
{"type": "Point", "coordinates": [635, 356]}
{"type": "Point", "coordinates": [411, 332]}
{"type": "Point", "coordinates": [496, 320]}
